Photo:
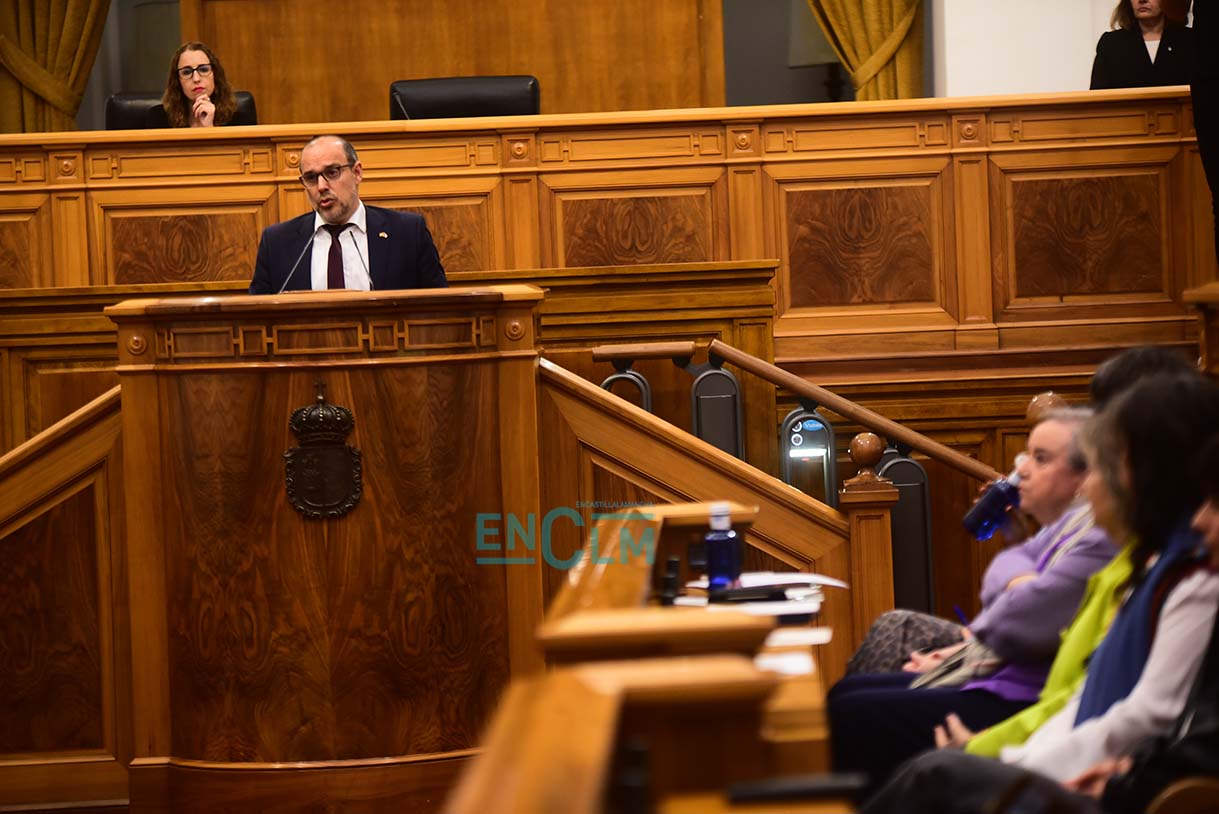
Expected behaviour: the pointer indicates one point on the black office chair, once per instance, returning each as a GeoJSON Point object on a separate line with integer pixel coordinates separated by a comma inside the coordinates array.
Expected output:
{"type": "Point", "coordinates": [462, 96]}
{"type": "Point", "coordinates": [142, 111]}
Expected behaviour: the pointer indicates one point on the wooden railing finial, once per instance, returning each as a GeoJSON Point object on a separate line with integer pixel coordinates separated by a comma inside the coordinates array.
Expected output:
{"type": "Point", "coordinates": [865, 450]}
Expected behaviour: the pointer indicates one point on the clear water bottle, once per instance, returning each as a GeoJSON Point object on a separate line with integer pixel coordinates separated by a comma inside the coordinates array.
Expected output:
{"type": "Point", "coordinates": [723, 551]}
{"type": "Point", "coordinates": [988, 514]}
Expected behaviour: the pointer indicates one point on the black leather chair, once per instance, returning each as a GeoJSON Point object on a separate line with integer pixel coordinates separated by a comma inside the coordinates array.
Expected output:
{"type": "Point", "coordinates": [461, 96]}
{"type": "Point", "coordinates": [141, 111]}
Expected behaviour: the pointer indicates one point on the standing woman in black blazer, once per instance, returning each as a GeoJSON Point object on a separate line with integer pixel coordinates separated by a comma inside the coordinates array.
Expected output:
{"type": "Point", "coordinates": [1144, 50]}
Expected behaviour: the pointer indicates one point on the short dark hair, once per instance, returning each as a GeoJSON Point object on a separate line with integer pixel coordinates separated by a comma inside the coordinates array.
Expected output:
{"type": "Point", "coordinates": [1120, 372]}
{"type": "Point", "coordinates": [348, 151]}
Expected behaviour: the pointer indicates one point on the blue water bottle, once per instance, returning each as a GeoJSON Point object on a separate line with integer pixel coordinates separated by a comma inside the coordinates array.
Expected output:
{"type": "Point", "coordinates": [723, 550]}
{"type": "Point", "coordinates": [989, 513]}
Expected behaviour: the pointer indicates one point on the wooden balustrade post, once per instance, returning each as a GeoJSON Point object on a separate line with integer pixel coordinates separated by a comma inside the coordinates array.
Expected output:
{"type": "Point", "coordinates": [867, 499]}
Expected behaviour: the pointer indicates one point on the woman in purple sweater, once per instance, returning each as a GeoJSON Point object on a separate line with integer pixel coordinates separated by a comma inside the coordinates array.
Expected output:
{"type": "Point", "coordinates": [1029, 594]}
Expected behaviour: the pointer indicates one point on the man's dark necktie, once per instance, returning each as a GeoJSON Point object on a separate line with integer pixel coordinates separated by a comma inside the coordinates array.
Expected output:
{"type": "Point", "coordinates": [334, 261]}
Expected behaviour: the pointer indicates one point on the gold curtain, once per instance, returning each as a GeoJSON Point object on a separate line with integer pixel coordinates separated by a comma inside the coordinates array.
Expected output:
{"type": "Point", "coordinates": [47, 49]}
{"type": "Point", "coordinates": [880, 42]}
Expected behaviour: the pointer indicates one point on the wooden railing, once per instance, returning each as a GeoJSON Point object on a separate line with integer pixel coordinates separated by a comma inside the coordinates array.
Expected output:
{"type": "Point", "coordinates": [602, 453]}
{"type": "Point", "coordinates": [848, 409]}
{"type": "Point", "coordinates": [65, 698]}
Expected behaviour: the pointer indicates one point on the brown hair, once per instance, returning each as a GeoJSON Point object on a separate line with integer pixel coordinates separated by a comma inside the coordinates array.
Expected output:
{"type": "Point", "coordinates": [1175, 11]}
{"type": "Point", "coordinates": [1122, 17]}
{"type": "Point", "coordinates": [178, 107]}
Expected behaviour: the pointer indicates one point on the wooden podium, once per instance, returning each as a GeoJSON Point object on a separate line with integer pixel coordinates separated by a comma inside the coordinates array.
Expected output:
{"type": "Point", "coordinates": [311, 626]}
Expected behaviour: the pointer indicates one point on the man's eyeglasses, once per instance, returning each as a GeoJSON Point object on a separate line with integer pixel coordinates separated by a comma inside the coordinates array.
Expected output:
{"type": "Point", "coordinates": [330, 173]}
{"type": "Point", "coordinates": [204, 70]}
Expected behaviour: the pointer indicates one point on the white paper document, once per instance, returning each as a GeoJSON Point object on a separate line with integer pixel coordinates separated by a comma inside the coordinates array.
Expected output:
{"type": "Point", "coordinates": [758, 579]}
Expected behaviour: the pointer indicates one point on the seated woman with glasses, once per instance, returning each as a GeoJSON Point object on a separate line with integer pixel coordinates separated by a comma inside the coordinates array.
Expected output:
{"type": "Point", "coordinates": [197, 93]}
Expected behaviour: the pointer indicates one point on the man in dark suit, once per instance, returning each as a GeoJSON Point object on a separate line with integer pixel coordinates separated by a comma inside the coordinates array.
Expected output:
{"type": "Point", "coordinates": [343, 243]}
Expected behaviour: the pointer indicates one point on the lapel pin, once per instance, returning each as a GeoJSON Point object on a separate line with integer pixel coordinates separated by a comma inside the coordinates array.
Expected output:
{"type": "Point", "coordinates": [382, 234]}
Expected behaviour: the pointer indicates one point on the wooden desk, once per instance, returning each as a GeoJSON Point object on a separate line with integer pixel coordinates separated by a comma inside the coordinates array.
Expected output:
{"type": "Point", "coordinates": [309, 623]}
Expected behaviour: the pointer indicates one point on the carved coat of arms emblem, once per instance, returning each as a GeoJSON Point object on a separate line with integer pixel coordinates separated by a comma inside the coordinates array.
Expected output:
{"type": "Point", "coordinates": [322, 475]}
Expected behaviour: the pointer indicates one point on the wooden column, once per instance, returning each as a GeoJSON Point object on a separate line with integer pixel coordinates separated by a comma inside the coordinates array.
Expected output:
{"type": "Point", "coordinates": [867, 501]}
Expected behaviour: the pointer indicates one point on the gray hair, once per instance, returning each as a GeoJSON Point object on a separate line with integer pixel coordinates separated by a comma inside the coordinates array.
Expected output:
{"type": "Point", "coordinates": [1074, 418]}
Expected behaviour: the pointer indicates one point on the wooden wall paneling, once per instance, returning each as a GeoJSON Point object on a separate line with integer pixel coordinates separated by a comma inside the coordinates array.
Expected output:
{"type": "Point", "coordinates": [57, 351]}
{"type": "Point", "coordinates": [26, 218]}
{"type": "Point", "coordinates": [896, 130]}
{"type": "Point", "coordinates": [587, 57]}
{"type": "Point", "coordinates": [1199, 237]}
{"type": "Point", "coordinates": [1122, 122]}
{"type": "Point", "coordinates": [1123, 332]}
{"type": "Point", "coordinates": [26, 240]}
{"type": "Point", "coordinates": [464, 214]}
{"type": "Point", "coordinates": [54, 697]}
{"type": "Point", "coordinates": [24, 166]}
{"type": "Point", "coordinates": [694, 183]}
{"type": "Point", "coordinates": [55, 382]}
{"type": "Point", "coordinates": [70, 246]}
{"type": "Point", "coordinates": [10, 429]}
{"type": "Point", "coordinates": [864, 253]}
{"type": "Point", "coordinates": [65, 687]}
{"type": "Point", "coordinates": [521, 219]}
{"type": "Point", "coordinates": [975, 308]}
{"type": "Point", "coordinates": [860, 243]}
{"type": "Point", "coordinates": [1083, 234]}
{"type": "Point", "coordinates": [746, 203]}
{"type": "Point", "coordinates": [638, 217]}
{"type": "Point", "coordinates": [169, 235]}
{"type": "Point", "coordinates": [70, 218]}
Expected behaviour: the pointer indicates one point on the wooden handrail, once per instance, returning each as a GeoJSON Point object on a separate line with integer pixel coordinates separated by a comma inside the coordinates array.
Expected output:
{"type": "Point", "coordinates": [853, 412]}
{"type": "Point", "coordinates": [643, 350]}
{"type": "Point", "coordinates": [74, 423]}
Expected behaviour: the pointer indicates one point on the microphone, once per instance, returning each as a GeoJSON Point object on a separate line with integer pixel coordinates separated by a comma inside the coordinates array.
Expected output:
{"type": "Point", "coordinates": [295, 265]}
{"type": "Point", "coordinates": [398, 100]}
{"type": "Point", "coordinates": [356, 245]}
